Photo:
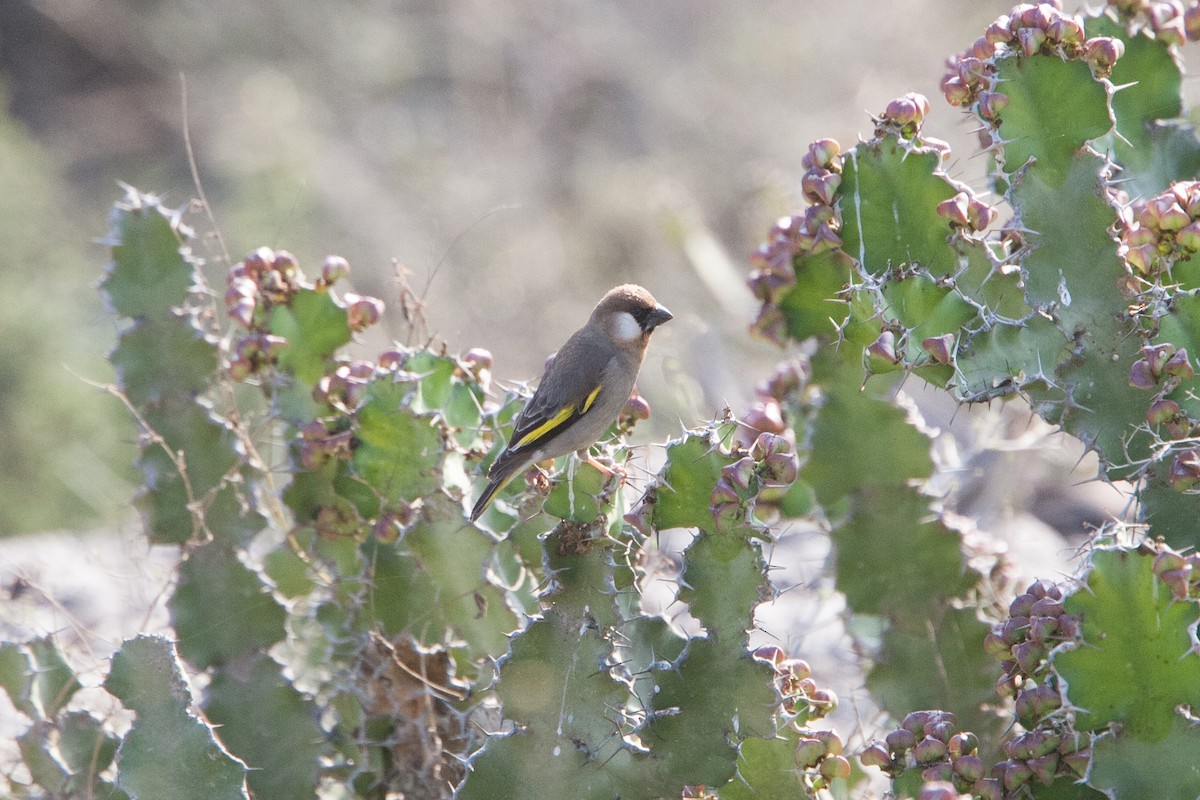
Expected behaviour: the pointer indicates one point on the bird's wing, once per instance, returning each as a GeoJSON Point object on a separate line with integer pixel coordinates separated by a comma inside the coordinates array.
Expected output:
{"type": "Point", "coordinates": [567, 391]}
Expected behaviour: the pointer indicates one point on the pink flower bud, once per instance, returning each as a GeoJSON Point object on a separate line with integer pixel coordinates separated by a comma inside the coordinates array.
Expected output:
{"type": "Point", "coordinates": [1179, 365]}
{"type": "Point", "coordinates": [992, 104]}
{"type": "Point", "coordinates": [286, 265]}
{"type": "Point", "coordinates": [885, 348]}
{"type": "Point", "coordinates": [957, 92]}
{"type": "Point", "coordinates": [392, 360]}
{"type": "Point", "coordinates": [334, 269]}
{"type": "Point", "coordinates": [998, 32]}
{"type": "Point", "coordinates": [1188, 237]}
{"type": "Point", "coordinates": [1101, 52]}
{"type": "Point", "coordinates": [361, 311]}
{"type": "Point", "coordinates": [769, 654]}
{"type": "Point", "coordinates": [820, 186]}
{"type": "Point", "coordinates": [1185, 471]}
{"type": "Point", "coordinates": [809, 752]}
{"type": "Point", "coordinates": [940, 348]}
{"type": "Point", "coordinates": [823, 153]}
{"type": "Point", "coordinates": [835, 767]}
{"type": "Point", "coordinates": [1031, 40]}
{"type": "Point", "coordinates": [954, 209]}
{"type": "Point", "coordinates": [242, 311]}
{"type": "Point", "coordinates": [259, 261]}
{"type": "Point", "coordinates": [875, 756]}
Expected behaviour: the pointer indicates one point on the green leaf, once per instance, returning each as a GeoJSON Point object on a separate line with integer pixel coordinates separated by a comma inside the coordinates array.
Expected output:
{"type": "Point", "coordinates": [813, 306]}
{"type": "Point", "coordinates": [211, 454]}
{"type": "Point", "coordinates": [551, 681]}
{"type": "Point", "coordinates": [43, 767]}
{"type": "Point", "coordinates": [157, 358]}
{"type": "Point", "coordinates": [723, 579]}
{"type": "Point", "coordinates": [765, 768]}
{"type": "Point", "coordinates": [289, 572]}
{"type": "Point", "coordinates": [860, 438]}
{"type": "Point", "coordinates": [1170, 514]}
{"type": "Point", "coordinates": [1063, 788]}
{"type": "Point", "coordinates": [84, 743]}
{"type": "Point", "coordinates": [1005, 358]}
{"type": "Point", "coordinates": [712, 689]}
{"type": "Point", "coordinates": [1055, 107]}
{"type": "Point", "coordinates": [1136, 662]}
{"type": "Point", "coordinates": [885, 521]}
{"type": "Point", "coordinates": [937, 660]}
{"type": "Point", "coordinates": [54, 682]}
{"type": "Point", "coordinates": [432, 582]}
{"type": "Point", "coordinates": [221, 610]}
{"type": "Point", "coordinates": [168, 754]}
{"type": "Point", "coordinates": [315, 327]}
{"type": "Point", "coordinates": [523, 766]}
{"type": "Point", "coordinates": [693, 468]}
{"type": "Point", "coordinates": [1125, 765]}
{"type": "Point", "coordinates": [270, 726]}
{"type": "Point", "coordinates": [575, 493]}
{"type": "Point", "coordinates": [151, 271]}
{"type": "Point", "coordinates": [647, 641]}
{"type": "Point", "coordinates": [436, 379]}
{"type": "Point", "coordinates": [888, 200]}
{"type": "Point", "coordinates": [16, 676]}
{"type": "Point", "coordinates": [1152, 150]}
{"type": "Point", "coordinates": [398, 452]}
{"type": "Point", "coordinates": [926, 309]}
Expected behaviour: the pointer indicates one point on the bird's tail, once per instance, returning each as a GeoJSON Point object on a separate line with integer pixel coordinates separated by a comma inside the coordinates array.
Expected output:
{"type": "Point", "coordinates": [495, 484]}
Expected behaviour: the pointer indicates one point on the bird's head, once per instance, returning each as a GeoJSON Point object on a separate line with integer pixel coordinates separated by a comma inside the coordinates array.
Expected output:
{"type": "Point", "coordinates": [629, 314]}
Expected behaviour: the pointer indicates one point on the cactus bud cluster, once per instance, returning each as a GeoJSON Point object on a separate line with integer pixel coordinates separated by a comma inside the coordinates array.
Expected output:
{"type": "Point", "coordinates": [1184, 475]}
{"type": "Point", "coordinates": [967, 212]}
{"type": "Point", "coordinates": [1169, 21]}
{"type": "Point", "coordinates": [337, 519]}
{"type": "Point", "coordinates": [1159, 363]}
{"type": "Point", "coordinates": [263, 279]}
{"type": "Point", "coordinates": [814, 232]}
{"type": "Point", "coordinates": [768, 412]}
{"type": "Point", "coordinates": [770, 463]}
{"type": "Point", "coordinates": [1036, 624]}
{"type": "Point", "coordinates": [1029, 29]}
{"type": "Point", "coordinates": [903, 116]}
{"type": "Point", "coordinates": [1040, 755]}
{"type": "Point", "coordinates": [819, 755]}
{"type": "Point", "coordinates": [951, 765]}
{"type": "Point", "coordinates": [928, 741]}
{"type": "Point", "coordinates": [266, 279]}
{"type": "Point", "coordinates": [318, 445]}
{"type": "Point", "coordinates": [344, 387]}
{"type": "Point", "coordinates": [1180, 572]}
{"type": "Point", "coordinates": [1157, 233]}
{"type": "Point", "coordinates": [802, 700]}
{"type": "Point", "coordinates": [392, 524]}
{"type": "Point", "coordinates": [940, 790]}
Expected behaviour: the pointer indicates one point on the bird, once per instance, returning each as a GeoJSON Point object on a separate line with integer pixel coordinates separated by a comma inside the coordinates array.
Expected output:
{"type": "Point", "coordinates": [585, 386]}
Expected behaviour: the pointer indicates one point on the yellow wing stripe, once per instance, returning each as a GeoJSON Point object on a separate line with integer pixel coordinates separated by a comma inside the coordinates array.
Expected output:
{"type": "Point", "coordinates": [558, 419]}
{"type": "Point", "coordinates": [591, 398]}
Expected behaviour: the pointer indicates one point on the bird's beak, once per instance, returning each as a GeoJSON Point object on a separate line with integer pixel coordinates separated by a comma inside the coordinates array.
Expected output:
{"type": "Point", "coordinates": [657, 317]}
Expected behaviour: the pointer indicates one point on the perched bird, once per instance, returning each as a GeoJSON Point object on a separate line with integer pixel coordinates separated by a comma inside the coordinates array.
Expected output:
{"type": "Point", "coordinates": [584, 387]}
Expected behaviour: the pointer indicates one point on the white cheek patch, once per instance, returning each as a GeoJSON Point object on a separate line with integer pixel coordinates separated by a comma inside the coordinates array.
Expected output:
{"type": "Point", "coordinates": [625, 327]}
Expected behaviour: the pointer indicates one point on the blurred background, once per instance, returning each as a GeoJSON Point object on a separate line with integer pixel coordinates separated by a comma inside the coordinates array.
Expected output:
{"type": "Point", "coordinates": [509, 161]}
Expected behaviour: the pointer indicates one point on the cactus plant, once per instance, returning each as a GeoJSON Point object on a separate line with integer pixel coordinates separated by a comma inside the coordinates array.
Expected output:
{"type": "Point", "coordinates": [357, 636]}
{"type": "Point", "coordinates": [1073, 291]}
